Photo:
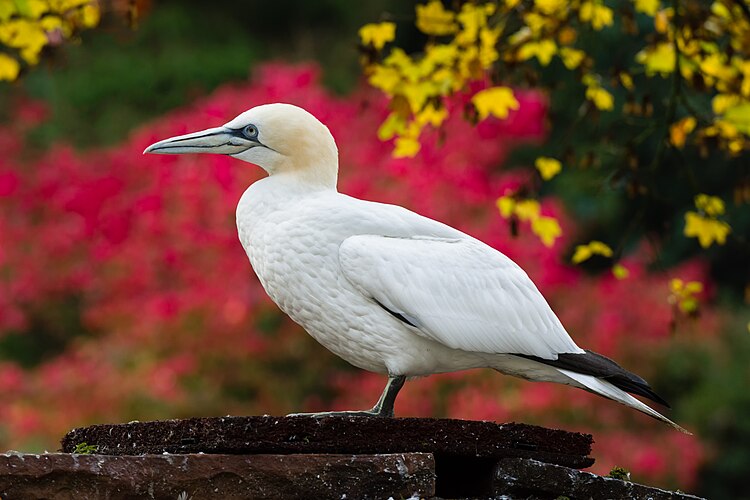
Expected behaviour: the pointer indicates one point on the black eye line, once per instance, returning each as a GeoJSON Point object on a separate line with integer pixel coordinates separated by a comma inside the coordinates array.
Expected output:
{"type": "Point", "coordinates": [237, 132]}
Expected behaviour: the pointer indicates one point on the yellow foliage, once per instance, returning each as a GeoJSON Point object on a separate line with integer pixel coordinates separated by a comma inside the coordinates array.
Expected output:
{"type": "Point", "coordinates": [661, 20]}
{"type": "Point", "coordinates": [26, 27]}
{"type": "Point", "coordinates": [679, 131]}
{"type": "Point", "coordinates": [547, 228]}
{"type": "Point", "coordinates": [527, 210]}
{"type": "Point", "coordinates": [721, 102]}
{"type": "Point", "coordinates": [572, 58]}
{"type": "Point", "coordinates": [659, 59]}
{"type": "Point", "coordinates": [9, 68]}
{"type": "Point", "coordinates": [406, 147]}
{"type": "Point", "coordinates": [543, 50]}
{"type": "Point", "coordinates": [710, 205]}
{"type": "Point", "coordinates": [596, 14]}
{"type": "Point", "coordinates": [567, 35]}
{"type": "Point", "coordinates": [620, 272]}
{"type": "Point", "coordinates": [496, 101]}
{"type": "Point", "coordinates": [684, 294]}
{"type": "Point", "coordinates": [431, 115]}
{"type": "Point", "coordinates": [739, 116]}
{"type": "Point", "coordinates": [626, 80]}
{"type": "Point", "coordinates": [506, 205]}
{"type": "Point", "coordinates": [472, 18]}
{"type": "Point", "coordinates": [377, 34]}
{"type": "Point", "coordinates": [547, 167]}
{"type": "Point", "coordinates": [393, 125]}
{"type": "Point", "coordinates": [649, 7]}
{"type": "Point", "coordinates": [601, 98]}
{"type": "Point", "coordinates": [434, 19]}
{"type": "Point", "coordinates": [707, 230]}
{"type": "Point", "coordinates": [385, 78]}
{"type": "Point", "coordinates": [585, 252]}
{"type": "Point", "coordinates": [549, 7]}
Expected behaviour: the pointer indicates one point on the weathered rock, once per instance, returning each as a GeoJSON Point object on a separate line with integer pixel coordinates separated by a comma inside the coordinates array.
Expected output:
{"type": "Point", "coordinates": [198, 476]}
{"type": "Point", "coordinates": [455, 440]}
{"type": "Point", "coordinates": [530, 479]}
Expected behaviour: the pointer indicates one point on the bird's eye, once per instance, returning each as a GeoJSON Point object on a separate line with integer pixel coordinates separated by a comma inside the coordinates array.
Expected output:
{"type": "Point", "coordinates": [250, 131]}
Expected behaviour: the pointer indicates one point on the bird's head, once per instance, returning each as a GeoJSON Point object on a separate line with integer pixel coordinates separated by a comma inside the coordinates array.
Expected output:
{"type": "Point", "coordinates": [280, 138]}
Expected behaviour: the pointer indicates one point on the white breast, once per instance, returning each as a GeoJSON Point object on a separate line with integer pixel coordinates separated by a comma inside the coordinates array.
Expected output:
{"type": "Point", "coordinates": [293, 245]}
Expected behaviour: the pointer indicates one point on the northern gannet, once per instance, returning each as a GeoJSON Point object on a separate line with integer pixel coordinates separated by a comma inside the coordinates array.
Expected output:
{"type": "Point", "coordinates": [384, 288]}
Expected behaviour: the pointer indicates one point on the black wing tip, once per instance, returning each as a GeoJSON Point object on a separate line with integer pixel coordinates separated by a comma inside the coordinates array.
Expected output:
{"type": "Point", "coordinates": [597, 365]}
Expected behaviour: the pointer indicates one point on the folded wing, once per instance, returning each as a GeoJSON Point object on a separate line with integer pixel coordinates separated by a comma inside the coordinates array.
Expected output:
{"type": "Point", "coordinates": [459, 292]}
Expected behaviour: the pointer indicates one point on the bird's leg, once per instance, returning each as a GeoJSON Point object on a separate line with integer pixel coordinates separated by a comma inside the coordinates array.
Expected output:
{"type": "Point", "coordinates": [383, 408]}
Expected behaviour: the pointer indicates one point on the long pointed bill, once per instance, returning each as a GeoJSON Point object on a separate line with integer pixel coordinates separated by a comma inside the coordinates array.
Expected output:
{"type": "Point", "coordinates": [219, 140]}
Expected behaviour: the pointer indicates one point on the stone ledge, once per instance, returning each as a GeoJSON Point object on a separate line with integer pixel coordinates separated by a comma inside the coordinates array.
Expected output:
{"type": "Point", "coordinates": [530, 479]}
{"type": "Point", "coordinates": [197, 476]}
{"type": "Point", "coordinates": [446, 438]}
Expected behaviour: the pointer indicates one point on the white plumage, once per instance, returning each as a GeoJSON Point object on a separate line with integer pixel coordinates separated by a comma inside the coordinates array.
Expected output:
{"type": "Point", "coordinates": [384, 288]}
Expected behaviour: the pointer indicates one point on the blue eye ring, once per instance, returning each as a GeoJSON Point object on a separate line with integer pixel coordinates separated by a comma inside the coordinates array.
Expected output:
{"type": "Point", "coordinates": [250, 131]}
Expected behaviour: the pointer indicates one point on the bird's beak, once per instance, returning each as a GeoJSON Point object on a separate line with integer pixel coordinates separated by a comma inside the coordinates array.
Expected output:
{"type": "Point", "coordinates": [219, 140]}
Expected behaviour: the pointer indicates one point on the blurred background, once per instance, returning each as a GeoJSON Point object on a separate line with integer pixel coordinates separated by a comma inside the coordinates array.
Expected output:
{"type": "Point", "coordinates": [125, 294]}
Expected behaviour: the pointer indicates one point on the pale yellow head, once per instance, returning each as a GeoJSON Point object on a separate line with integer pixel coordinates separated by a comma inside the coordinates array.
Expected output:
{"type": "Point", "coordinates": [280, 138]}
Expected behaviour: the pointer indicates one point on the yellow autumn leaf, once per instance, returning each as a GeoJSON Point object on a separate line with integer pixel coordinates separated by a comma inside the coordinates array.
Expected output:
{"type": "Point", "coordinates": [442, 54]}
{"type": "Point", "coordinates": [684, 294]}
{"type": "Point", "coordinates": [626, 80]}
{"type": "Point", "coordinates": [707, 230]}
{"type": "Point", "coordinates": [620, 272]}
{"type": "Point", "coordinates": [392, 126]}
{"type": "Point", "coordinates": [649, 7]}
{"type": "Point", "coordinates": [434, 19]}
{"type": "Point", "coordinates": [549, 7]}
{"type": "Point", "coordinates": [472, 18]}
{"type": "Point", "coordinates": [547, 229]}
{"type": "Point", "coordinates": [543, 50]}
{"type": "Point", "coordinates": [661, 20]}
{"type": "Point", "coordinates": [739, 116]}
{"type": "Point", "coordinates": [679, 131]}
{"type": "Point", "coordinates": [33, 9]}
{"type": "Point", "coordinates": [377, 34]}
{"type": "Point", "coordinates": [91, 15]}
{"type": "Point", "coordinates": [488, 54]}
{"type": "Point", "coordinates": [506, 206]}
{"type": "Point", "coordinates": [548, 167]}
{"type": "Point", "coordinates": [417, 94]}
{"type": "Point", "coordinates": [596, 14]}
{"type": "Point", "coordinates": [527, 210]}
{"type": "Point", "coordinates": [710, 205]}
{"type": "Point", "coordinates": [571, 58]}
{"type": "Point", "coordinates": [385, 78]}
{"type": "Point", "coordinates": [601, 98]}
{"type": "Point", "coordinates": [594, 247]}
{"type": "Point", "coordinates": [9, 68]}
{"type": "Point", "coordinates": [432, 115]}
{"type": "Point", "coordinates": [496, 101]}
{"type": "Point", "coordinates": [721, 102]}
{"type": "Point", "coordinates": [7, 9]}
{"type": "Point", "coordinates": [659, 59]}
{"type": "Point", "coordinates": [406, 147]}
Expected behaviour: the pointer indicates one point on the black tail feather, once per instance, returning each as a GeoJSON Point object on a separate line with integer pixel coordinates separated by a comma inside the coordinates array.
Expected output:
{"type": "Point", "coordinates": [591, 363]}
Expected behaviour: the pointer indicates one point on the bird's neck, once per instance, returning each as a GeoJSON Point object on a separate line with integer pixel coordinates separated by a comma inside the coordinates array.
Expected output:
{"type": "Point", "coordinates": [306, 175]}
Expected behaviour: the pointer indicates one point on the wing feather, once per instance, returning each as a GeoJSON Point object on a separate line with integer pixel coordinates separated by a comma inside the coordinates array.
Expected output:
{"type": "Point", "coordinates": [463, 293]}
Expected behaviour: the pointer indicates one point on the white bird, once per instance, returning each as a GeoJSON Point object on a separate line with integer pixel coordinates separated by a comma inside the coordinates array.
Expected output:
{"type": "Point", "coordinates": [384, 288]}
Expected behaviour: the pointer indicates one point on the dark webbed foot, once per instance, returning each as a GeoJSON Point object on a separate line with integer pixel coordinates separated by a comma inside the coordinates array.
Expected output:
{"type": "Point", "coordinates": [383, 408]}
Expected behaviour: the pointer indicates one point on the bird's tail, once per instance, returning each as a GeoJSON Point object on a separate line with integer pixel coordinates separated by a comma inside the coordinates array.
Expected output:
{"type": "Point", "coordinates": [608, 390]}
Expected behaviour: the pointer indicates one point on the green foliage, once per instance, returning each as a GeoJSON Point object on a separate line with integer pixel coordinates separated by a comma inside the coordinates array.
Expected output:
{"type": "Point", "coordinates": [620, 473]}
{"type": "Point", "coordinates": [85, 449]}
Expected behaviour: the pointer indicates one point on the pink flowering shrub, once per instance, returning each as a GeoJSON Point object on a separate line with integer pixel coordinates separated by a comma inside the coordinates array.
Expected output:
{"type": "Point", "coordinates": [169, 320]}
